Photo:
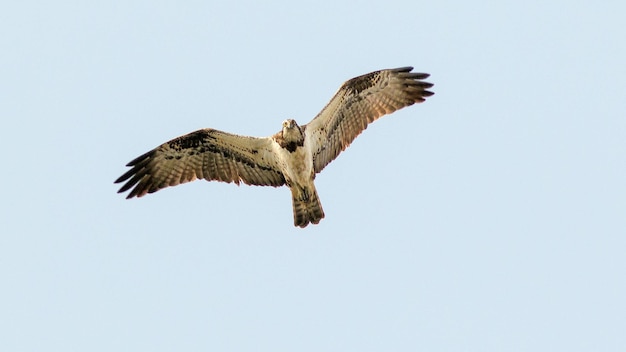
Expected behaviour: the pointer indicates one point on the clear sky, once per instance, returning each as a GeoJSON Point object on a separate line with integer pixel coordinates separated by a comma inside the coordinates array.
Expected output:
{"type": "Point", "coordinates": [490, 218]}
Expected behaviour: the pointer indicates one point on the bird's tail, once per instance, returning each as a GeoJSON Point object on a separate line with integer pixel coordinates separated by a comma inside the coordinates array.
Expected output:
{"type": "Point", "coordinates": [306, 206]}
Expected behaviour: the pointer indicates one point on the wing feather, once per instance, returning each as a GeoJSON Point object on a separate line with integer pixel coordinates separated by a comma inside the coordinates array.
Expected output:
{"type": "Point", "coordinates": [359, 102]}
{"type": "Point", "coordinates": [204, 154]}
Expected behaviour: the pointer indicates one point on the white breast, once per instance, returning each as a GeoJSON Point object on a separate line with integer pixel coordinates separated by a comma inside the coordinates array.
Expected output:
{"type": "Point", "coordinates": [296, 166]}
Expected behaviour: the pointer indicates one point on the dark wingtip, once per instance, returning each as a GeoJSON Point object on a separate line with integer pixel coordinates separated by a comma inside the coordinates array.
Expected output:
{"type": "Point", "coordinates": [403, 69]}
{"type": "Point", "coordinates": [121, 179]}
{"type": "Point", "coordinates": [418, 75]}
{"type": "Point", "coordinates": [140, 158]}
{"type": "Point", "coordinates": [126, 176]}
{"type": "Point", "coordinates": [133, 176]}
{"type": "Point", "coordinates": [125, 187]}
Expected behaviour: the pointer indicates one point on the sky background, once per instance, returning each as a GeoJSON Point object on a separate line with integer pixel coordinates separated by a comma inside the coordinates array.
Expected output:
{"type": "Point", "coordinates": [489, 218]}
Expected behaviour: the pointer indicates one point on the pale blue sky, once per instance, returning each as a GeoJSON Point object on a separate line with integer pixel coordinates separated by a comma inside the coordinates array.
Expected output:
{"type": "Point", "coordinates": [490, 218]}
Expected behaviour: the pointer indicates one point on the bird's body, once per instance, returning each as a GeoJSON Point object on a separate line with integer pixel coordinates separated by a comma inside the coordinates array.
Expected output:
{"type": "Point", "coordinates": [296, 163]}
{"type": "Point", "coordinates": [291, 157]}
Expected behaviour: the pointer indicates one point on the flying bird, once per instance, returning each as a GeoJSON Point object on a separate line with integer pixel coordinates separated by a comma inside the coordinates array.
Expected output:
{"type": "Point", "coordinates": [291, 157]}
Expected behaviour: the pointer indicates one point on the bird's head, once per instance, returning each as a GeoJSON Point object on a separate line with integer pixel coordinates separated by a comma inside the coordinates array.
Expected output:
{"type": "Point", "coordinates": [292, 132]}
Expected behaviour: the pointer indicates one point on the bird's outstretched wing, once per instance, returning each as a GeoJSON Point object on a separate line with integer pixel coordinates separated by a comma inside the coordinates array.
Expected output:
{"type": "Point", "coordinates": [204, 154]}
{"type": "Point", "coordinates": [358, 102]}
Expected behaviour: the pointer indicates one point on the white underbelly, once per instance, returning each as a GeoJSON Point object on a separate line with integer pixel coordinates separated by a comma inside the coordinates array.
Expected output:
{"type": "Point", "coordinates": [297, 166]}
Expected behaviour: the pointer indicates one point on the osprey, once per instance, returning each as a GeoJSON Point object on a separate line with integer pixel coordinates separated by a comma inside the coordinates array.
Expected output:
{"type": "Point", "coordinates": [291, 157]}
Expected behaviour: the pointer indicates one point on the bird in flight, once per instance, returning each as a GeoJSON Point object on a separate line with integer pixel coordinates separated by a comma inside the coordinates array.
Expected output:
{"type": "Point", "coordinates": [291, 157]}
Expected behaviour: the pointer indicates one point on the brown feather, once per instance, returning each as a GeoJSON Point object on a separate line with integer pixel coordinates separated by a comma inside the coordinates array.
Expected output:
{"type": "Point", "coordinates": [360, 101]}
{"type": "Point", "coordinates": [204, 154]}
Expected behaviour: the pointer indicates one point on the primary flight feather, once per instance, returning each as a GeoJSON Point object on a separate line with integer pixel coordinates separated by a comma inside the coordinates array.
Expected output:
{"type": "Point", "coordinates": [291, 157]}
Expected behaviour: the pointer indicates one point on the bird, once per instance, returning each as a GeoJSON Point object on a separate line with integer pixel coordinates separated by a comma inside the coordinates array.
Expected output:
{"type": "Point", "coordinates": [292, 157]}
